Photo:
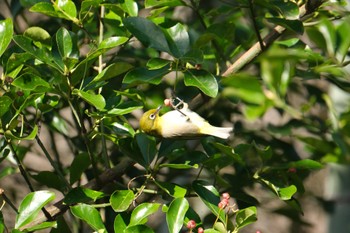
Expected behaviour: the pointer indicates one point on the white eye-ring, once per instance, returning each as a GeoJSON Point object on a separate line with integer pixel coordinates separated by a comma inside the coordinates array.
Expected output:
{"type": "Point", "coordinates": [152, 116]}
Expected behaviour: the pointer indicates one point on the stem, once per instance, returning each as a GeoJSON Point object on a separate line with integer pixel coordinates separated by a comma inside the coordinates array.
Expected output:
{"type": "Point", "coordinates": [256, 29]}
{"type": "Point", "coordinates": [26, 177]}
{"type": "Point", "coordinates": [7, 200]}
{"type": "Point", "coordinates": [53, 164]}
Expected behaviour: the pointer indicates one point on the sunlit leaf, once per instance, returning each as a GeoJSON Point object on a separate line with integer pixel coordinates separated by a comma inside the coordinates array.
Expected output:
{"type": "Point", "coordinates": [31, 205]}
{"type": "Point", "coordinates": [176, 214]}
{"type": "Point", "coordinates": [90, 215]}
{"type": "Point", "coordinates": [6, 31]}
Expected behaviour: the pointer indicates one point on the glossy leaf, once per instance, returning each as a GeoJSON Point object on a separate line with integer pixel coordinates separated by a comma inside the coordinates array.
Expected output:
{"type": "Point", "coordinates": [294, 25]}
{"type": "Point", "coordinates": [38, 34]}
{"type": "Point", "coordinates": [112, 71]}
{"type": "Point", "coordinates": [82, 195]}
{"type": "Point", "coordinates": [130, 6]}
{"type": "Point", "coordinates": [5, 104]}
{"type": "Point", "coordinates": [29, 136]}
{"type": "Point", "coordinates": [121, 200]}
{"type": "Point", "coordinates": [119, 224]}
{"type": "Point", "coordinates": [42, 54]}
{"type": "Point", "coordinates": [31, 205]}
{"type": "Point", "coordinates": [308, 164]}
{"type": "Point", "coordinates": [64, 42]}
{"type": "Point", "coordinates": [210, 197]}
{"type": "Point", "coordinates": [157, 63]}
{"type": "Point", "coordinates": [30, 81]}
{"type": "Point", "coordinates": [95, 100]}
{"type": "Point", "coordinates": [178, 40]}
{"type": "Point", "coordinates": [176, 214]}
{"type": "Point", "coordinates": [112, 42]}
{"type": "Point", "coordinates": [90, 215]}
{"type": "Point", "coordinates": [161, 3]}
{"type": "Point", "coordinates": [244, 87]}
{"type": "Point", "coordinates": [173, 190]}
{"type": "Point", "coordinates": [138, 229]}
{"type": "Point", "coordinates": [246, 216]}
{"type": "Point", "coordinates": [141, 213]}
{"type": "Point", "coordinates": [6, 32]}
{"type": "Point", "coordinates": [147, 146]}
{"type": "Point", "coordinates": [143, 75]}
{"type": "Point", "coordinates": [42, 226]}
{"type": "Point", "coordinates": [80, 163]}
{"type": "Point", "coordinates": [50, 179]}
{"type": "Point", "coordinates": [287, 192]}
{"type": "Point", "coordinates": [147, 32]}
{"type": "Point", "coordinates": [178, 166]}
{"type": "Point", "coordinates": [2, 223]}
{"type": "Point", "coordinates": [203, 80]}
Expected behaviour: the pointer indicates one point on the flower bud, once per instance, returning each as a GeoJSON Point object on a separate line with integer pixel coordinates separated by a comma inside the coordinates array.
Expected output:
{"type": "Point", "coordinates": [191, 224]}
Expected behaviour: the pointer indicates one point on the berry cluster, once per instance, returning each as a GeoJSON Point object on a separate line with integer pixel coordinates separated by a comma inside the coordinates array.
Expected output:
{"type": "Point", "coordinates": [191, 225]}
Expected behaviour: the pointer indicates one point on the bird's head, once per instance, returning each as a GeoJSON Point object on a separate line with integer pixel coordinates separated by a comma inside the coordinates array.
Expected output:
{"type": "Point", "coordinates": [149, 122]}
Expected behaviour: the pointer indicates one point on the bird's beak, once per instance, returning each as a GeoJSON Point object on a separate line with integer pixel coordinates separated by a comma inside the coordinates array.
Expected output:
{"type": "Point", "coordinates": [158, 109]}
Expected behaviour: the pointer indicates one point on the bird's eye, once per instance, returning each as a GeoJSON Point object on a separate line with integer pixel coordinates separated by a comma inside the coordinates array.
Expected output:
{"type": "Point", "coordinates": [152, 116]}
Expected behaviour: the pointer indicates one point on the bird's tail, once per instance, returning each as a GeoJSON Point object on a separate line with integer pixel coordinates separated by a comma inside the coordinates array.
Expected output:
{"type": "Point", "coordinates": [220, 132]}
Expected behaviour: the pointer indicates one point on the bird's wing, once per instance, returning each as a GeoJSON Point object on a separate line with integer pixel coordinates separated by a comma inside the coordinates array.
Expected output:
{"type": "Point", "coordinates": [177, 124]}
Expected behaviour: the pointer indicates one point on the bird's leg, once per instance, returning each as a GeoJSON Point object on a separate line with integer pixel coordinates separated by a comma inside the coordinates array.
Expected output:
{"type": "Point", "coordinates": [179, 104]}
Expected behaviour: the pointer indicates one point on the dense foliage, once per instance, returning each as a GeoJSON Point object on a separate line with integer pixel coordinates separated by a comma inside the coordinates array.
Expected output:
{"type": "Point", "coordinates": [84, 71]}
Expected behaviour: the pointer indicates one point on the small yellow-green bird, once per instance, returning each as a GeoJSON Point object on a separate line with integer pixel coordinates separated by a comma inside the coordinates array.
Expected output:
{"type": "Point", "coordinates": [180, 123]}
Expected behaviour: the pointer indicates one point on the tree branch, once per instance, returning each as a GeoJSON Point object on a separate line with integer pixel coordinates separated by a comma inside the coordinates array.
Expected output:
{"type": "Point", "coordinates": [59, 208]}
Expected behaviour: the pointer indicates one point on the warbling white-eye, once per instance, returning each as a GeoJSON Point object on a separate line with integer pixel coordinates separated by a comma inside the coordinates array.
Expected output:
{"type": "Point", "coordinates": [179, 123]}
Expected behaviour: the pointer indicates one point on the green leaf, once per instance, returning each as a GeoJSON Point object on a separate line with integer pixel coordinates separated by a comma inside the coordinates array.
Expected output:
{"type": "Point", "coordinates": [178, 40]}
{"type": "Point", "coordinates": [119, 224]}
{"type": "Point", "coordinates": [140, 214]}
{"type": "Point", "coordinates": [176, 214]}
{"type": "Point", "coordinates": [121, 200]}
{"type": "Point", "coordinates": [82, 195]}
{"type": "Point", "coordinates": [178, 166]}
{"type": "Point", "coordinates": [142, 75]}
{"type": "Point", "coordinates": [6, 32]}
{"type": "Point", "coordinates": [125, 108]}
{"type": "Point", "coordinates": [173, 190]}
{"type": "Point", "coordinates": [112, 71]}
{"type": "Point", "coordinates": [112, 42]}
{"type": "Point", "coordinates": [30, 81]}
{"type": "Point", "coordinates": [5, 104]}
{"type": "Point", "coordinates": [90, 215]}
{"type": "Point", "coordinates": [30, 136]}
{"type": "Point", "coordinates": [147, 145]}
{"type": "Point", "coordinates": [50, 179]}
{"type": "Point", "coordinates": [38, 34]}
{"type": "Point", "coordinates": [245, 87]}
{"type": "Point", "coordinates": [203, 80]}
{"type": "Point", "coordinates": [210, 196]}
{"type": "Point", "coordinates": [67, 7]}
{"type": "Point", "coordinates": [287, 192]}
{"type": "Point", "coordinates": [42, 226]}
{"type": "Point", "coordinates": [245, 217]}
{"type": "Point", "coordinates": [161, 3]}
{"type": "Point", "coordinates": [147, 32]}
{"type": "Point", "coordinates": [229, 151]}
{"type": "Point", "coordinates": [80, 163]}
{"type": "Point", "coordinates": [31, 205]}
{"type": "Point", "coordinates": [157, 63]}
{"type": "Point", "coordinates": [294, 25]}
{"type": "Point", "coordinates": [64, 9]}
{"type": "Point", "coordinates": [130, 6]}
{"type": "Point", "coordinates": [307, 164]}
{"type": "Point", "coordinates": [64, 42]}
{"type": "Point", "coordinates": [95, 100]}
{"type": "Point", "coordinates": [2, 223]}
{"type": "Point", "coordinates": [138, 229]}
{"type": "Point", "coordinates": [42, 54]}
